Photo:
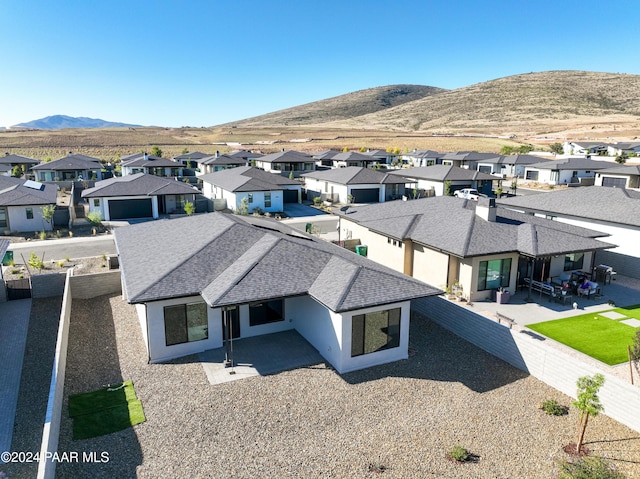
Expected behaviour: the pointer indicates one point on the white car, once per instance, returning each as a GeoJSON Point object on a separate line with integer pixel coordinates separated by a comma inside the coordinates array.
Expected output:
{"type": "Point", "coordinates": [467, 194]}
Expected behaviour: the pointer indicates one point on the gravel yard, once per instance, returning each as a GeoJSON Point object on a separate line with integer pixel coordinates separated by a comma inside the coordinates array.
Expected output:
{"type": "Point", "coordinates": [312, 422]}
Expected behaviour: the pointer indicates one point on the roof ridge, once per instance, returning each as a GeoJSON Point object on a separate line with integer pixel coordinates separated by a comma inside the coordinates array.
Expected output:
{"type": "Point", "coordinates": [352, 280]}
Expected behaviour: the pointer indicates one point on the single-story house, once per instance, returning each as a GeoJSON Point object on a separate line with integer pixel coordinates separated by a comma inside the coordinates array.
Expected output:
{"type": "Point", "coordinates": [5, 170]}
{"type": "Point", "coordinates": [286, 162]}
{"type": "Point", "coordinates": [466, 159]}
{"type": "Point", "coordinates": [585, 148]}
{"type": "Point", "coordinates": [508, 166]}
{"type": "Point", "coordinates": [433, 178]}
{"type": "Point", "coordinates": [211, 164]}
{"type": "Point", "coordinates": [16, 160]}
{"type": "Point", "coordinates": [262, 190]}
{"type": "Point", "coordinates": [381, 156]}
{"type": "Point", "coordinates": [630, 148]}
{"type": "Point", "coordinates": [150, 164]}
{"type": "Point", "coordinates": [475, 246]}
{"type": "Point", "coordinates": [352, 158]}
{"type": "Point", "coordinates": [613, 211]}
{"type": "Point", "coordinates": [21, 203]}
{"type": "Point", "coordinates": [246, 155]}
{"type": "Point", "coordinates": [418, 158]}
{"type": "Point", "coordinates": [73, 167]}
{"type": "Point", "coordinates": [243, 276]}
{"type": "Point", "coordinates": [138, 195]}
{"type": "Point", "coordinates": [191, 157]}
{"type": "Point", "coordinates": [619, 177]}
{"type": "Point", "coordinates": [565, 171]}
{"type": "Point", "coordinates": [354, 184]}
{"type": "Point", "coordinates": [325, 158]}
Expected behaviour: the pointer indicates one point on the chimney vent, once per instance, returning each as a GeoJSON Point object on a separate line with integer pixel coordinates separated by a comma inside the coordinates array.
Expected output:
{"type": "Point", "coordinates": [146, 156]}
{"type": "Point", "coordinates": [486, 208]}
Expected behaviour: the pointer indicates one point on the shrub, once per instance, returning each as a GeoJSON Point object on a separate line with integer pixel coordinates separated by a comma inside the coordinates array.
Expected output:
{"type": "Point", "coordinates": [189, 208]}
{"type": "Point", "coordinates": [588, 467]}
{"type": "Point", "coordinates": [35, 261]}
{"type": "Point", "coordinates": [553, 408]}
{"type": "Point", "coordinates": [459, 453]}
{"type": "Point", "coordinates": [60, 264]}
{"type": "Point", "coordinates": [95, 218]}
{"type": "Point", "coordinates": [317, 201]}
{"type": "Point", "coordinates": [42, 235]}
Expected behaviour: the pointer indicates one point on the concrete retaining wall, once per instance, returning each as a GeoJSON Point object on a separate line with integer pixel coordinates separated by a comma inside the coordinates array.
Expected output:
{"type": "Point", "coordinates": [47, 285]}
{"type": "Point", "coordinates": [51, 431]}
{"type": "Point", "coordinates": [92, 285]}
{"type": "Point", "coordinates": [531, 353]}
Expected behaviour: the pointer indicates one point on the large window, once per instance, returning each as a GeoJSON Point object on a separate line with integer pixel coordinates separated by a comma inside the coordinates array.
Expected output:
{"type": "Point", "coordinates": [184, 323]}
{"type": "Point", "coordinates": [494, 274]}
{"type": "Point", "coordinates": [266, 312]}
{"type": "Point", "coordinates": [573, 261]}
{"type": "Point", "coordinates": [376, 331]}
{"type": "Point", "coordinates": [3, 218]}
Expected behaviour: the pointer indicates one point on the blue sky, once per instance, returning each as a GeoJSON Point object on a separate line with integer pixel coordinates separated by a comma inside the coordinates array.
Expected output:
{"type": "Point", "coordinates": [202, 63]}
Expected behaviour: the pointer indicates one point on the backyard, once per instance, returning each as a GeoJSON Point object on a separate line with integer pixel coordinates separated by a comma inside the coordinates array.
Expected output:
{"type": "Point", "coordinates": [603, 335]}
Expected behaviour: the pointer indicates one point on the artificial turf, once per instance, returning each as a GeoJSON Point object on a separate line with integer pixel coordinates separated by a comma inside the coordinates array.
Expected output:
{"type": "Point", "coordinates": [597, 336]}
{"type": "Point", "coordinates": [105, 411]}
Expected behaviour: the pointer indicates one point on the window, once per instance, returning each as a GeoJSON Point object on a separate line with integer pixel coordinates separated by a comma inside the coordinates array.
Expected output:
{"type": "Point", "coordinates": [494, 274]}
{"type": "Point", "coordinates": [184, 323]}
{"type": "Point", "coordinates": [531, 175]}
{"type": "Point", "coordinates": [267, 200]}
{"type": "Point", "coordinates": [29, 213]}
{"type": "Point", "coordinates": [573, 261]}
{"type": "Point", "coordinates": [326, 187]}
{"type": "Point", "coordinates": [96, 202]}
{"type": "Point", "coordinates": [3, 218]}
{"type": "Point", "coordinates": [179, 202]}
{"type": "Point", "coordinates": [375, 331]}
{"type": "Point", "coordinates": [250, 197]}
{"type": "Point", "coordinates": [266, 312]}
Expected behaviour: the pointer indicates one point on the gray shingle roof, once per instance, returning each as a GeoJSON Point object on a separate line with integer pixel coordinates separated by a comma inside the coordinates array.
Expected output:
{"type": "Point", "coordinates": [223, 160]}
{"type": "Point", "coordinates": [571, 164]}
{"type": "Point", "coordinates": [72, 162]}
{"type": "Point", "coordinates": [139, 184]}
{"type": "Point", "coordinates": [609, 205]}
{"type": "Point", "coordinates": [516, 160]}
{"type": "Point", "coordinates": [443, 173]}
{"type": "Point", "coordinates": [246, 178]}
{"type": "Point", "coordinates": [287, 156]}
{"type": "Point", "coordinates": [192, 155]}
{"type": "Point", "coordinates": [628, 170]}
{"type": "Point", "coordinates": [14, 193]}
{"type": "Point", "coordinates": [355, 175]}
{"type": "Point", "coordinates": [451, 225]}
{"type": "Point", "coordinates": [325, 155]}
{"type": "Point", "coordinates": [138, 160]}
{"type": "Point", "coordinates": [244, 154]}
{"type": "Point", "coordinates": [17, 159]}
{"type": "Point", "coordinates": [235, 260]}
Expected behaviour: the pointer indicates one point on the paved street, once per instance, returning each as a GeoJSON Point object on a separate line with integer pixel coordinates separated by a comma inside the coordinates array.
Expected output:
{"type": "Point", "coordinates": [64, 248]}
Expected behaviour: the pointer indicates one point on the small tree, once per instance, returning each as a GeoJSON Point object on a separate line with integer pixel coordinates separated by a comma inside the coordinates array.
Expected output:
{"type": "Point", "coordinates": [345, 150]}
{"type": "Point", "coordinates": [506, 150]}
{"type": "Point", "coordinates": [243, 209]}
{"type": "Point", "coordinates": [17, 171]}
{"type": "Point", "coordinates": [622, 158]}
{"type": "Point", "coordinates": [95, 218]}
{"type": "Point", "coordinates": [556, 148]}
{"type": "Point", "coordinates": [291, 177]}
{"type": "Point", "coordinates": [447, 188]}
{"type": "Point", "coordinates": [588, 402]}
{"type": "Point", "coordinates": [363, 149]}
{"type": "Point", "coordinates": [514, 185]}
{"type": "Point", "coordinates": [634, 353]}
{"type": "Point", "coordinates": [47, 213]}
{"type": "Point", "coordinates": [156, 151]}
{"type": "Point", "coordinates": [185, 151]}
{"type": "Point", "coordinates": [524, 149]}
{"type": "Point", "coordinates": [189, 208]}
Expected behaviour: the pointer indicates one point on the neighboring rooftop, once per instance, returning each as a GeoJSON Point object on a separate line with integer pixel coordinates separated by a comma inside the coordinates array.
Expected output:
{"type": "Point", "coordinates": [355, 175]}
{"type": "Point", "coordinates": [143, 160]}
{"type": "Point", "coordinates": [19, 192]}
{"type": "Point", "coordinates": [609, 205]}
{"type": "Point", "coordinates": [71, 162]}
{"type": "Point", "coordinates": [192, 155]}
{"type": "Point", "coordinates": [233, 259]}
{"type": "Point", "coordinates": [443, 173]}
{"type": "Point", "coordinates": [452, 225]}
{"type": "Point", "coordinates": [139, 184]}
{"type": "Point", "coordinates": [571, 164]}
{"type": "Point", "coordinates": [8, 159]}
{"type": "Point", "coordinates": [247, 178]}
{"type": "Point", "coordinates": [287, 156]}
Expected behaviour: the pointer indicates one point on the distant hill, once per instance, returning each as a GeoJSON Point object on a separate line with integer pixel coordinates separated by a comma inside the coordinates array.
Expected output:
{"type": "Point", "coordinates": [532, 102]}
{"type": "Point", "coordinates": [342, 107]}
{"type": "Point", "coordinates": [58, 122]}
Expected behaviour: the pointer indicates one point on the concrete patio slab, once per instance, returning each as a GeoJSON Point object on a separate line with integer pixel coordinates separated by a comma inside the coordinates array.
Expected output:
{"type": "Point", "coordinates": [613, 315]}
{"type": "Point", "coordinates": [635, 323]}
{"type": "Point", "coordinates": [260, 356]}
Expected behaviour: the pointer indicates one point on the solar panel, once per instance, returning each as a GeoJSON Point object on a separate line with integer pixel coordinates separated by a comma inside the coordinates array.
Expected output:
{"type": "Point", "coordinates": [34, 185]}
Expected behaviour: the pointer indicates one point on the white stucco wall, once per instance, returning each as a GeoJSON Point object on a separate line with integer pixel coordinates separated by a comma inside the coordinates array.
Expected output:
{"type": "Point", "coordinates": [141, 311]}
{"type": "Point", "coordinates": [159, 351]}
{"type": "Point", "coordinates": [18, 221]}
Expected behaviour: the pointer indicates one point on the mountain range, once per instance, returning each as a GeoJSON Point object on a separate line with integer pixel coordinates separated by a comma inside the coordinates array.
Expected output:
{"type": "Point", "coordinates": [58, 122]}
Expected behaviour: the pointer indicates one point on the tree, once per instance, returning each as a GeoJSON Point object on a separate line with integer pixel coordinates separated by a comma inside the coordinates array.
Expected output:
{"type": "Point", "coordinates": [447, 188]}
{"type": "Point", "coordinates": [506, 150]}
{"type": "Point", "coordinates": [47, 213]}
{"type": "Point", "coordinates": [189, 208]}
{"type": "Point", "coordinates": [363, 149]}
{"type": "Point", "coordinates": [17, 171]}
{"type": "Point", "coordinates": [556, 148]}
{"type": "Point", "coordinates": [622, 158]}
{"type": "Point", "coordinates": [345, 150]}
{"type": "Point", "coordinates": [156, 151]}
{"type": "Point", "coordinates": [524, 149]}
{"type": "Point", "coordinates": [185, 151]}
{"type": "Point", "coordinates": [291, 177]}
{"type": "Point", "coordinates": [514, 185]}
{"type": "Point", "coordinates": [588, 402]}
{"type": "Point", "coordinates": [243, 209]}
{"type": "Point", "coordinates": [95, 218]}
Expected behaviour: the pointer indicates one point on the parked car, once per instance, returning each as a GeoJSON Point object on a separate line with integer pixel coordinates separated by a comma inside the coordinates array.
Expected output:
{"type": "Point", "coordinates": [467, 194]}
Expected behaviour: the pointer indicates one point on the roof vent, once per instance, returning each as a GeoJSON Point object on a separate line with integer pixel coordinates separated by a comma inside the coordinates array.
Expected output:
{"type": "Point", "coordinates": [70, 153]}
{"type": "Point", "coordinates": [146, 156]}
{"type": "Point", "coordinates": [486, 208]}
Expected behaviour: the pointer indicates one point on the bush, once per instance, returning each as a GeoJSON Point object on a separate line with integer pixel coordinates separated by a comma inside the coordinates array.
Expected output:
{"type": "Point", "coordinates": [189, 208]}
{"type": "Point", "coordinates": [459, 453]}
{"type": "Point", "coordinates": [317, 201]}
{"type": "Point", "coordinates": [588, 467]}
{"type": "Point", "coordinates": [42, 235]}
{"type": "Point", "coordinates": [553, 408]}
{"type": "Point", "coordinates": [95, 218]}
{"type": "Point", "coordinates": [35, 261]}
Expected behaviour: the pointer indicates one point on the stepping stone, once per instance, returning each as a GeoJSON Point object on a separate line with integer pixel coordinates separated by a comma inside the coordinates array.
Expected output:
{"type": "Point", "coordinates": [632, 322]}
{"type": "Point", "coordinates": [613, 315]}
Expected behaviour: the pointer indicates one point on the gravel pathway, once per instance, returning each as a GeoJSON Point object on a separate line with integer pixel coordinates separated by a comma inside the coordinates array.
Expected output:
{"type": "Point", "coordinates": [312, 422]}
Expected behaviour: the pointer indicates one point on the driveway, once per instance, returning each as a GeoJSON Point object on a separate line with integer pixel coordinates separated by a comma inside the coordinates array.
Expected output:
{"type": "Point", "coordinates": [296, 210]}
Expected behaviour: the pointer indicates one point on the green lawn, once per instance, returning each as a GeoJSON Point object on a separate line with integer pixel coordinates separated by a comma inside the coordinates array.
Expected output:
{"type": "Point", "coordinates": [593, 334]}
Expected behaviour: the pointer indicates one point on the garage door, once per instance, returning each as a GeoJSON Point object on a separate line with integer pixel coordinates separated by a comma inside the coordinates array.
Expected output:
{"type": "Point", "coordinates": [614, 182]}
{"type": "Point", "coordinates": [290, 196]}
{"type": "Point", "coordinates": [125, 209]}
{"type": "Point", "coordinates": [366, 195]}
